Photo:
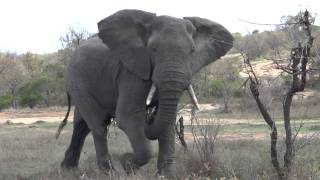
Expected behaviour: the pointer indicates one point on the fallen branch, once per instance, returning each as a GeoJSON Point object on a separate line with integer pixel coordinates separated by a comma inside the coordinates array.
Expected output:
{"type": "Point", "coordinates": [180, 133]}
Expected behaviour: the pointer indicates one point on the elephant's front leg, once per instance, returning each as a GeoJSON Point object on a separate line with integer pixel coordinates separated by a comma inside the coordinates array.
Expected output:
{"type": "Point", "coordinates": [133, 126]}
{"type": "Point", "coordinates": [131, 116]}
{"type": "Point", "coordinates": [166, 158]}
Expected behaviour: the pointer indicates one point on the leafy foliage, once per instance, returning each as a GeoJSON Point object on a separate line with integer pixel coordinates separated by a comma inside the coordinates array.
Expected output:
{"type": "Point", "coordinates": [5, 100]}
{"type": "Point", "coordinates": [216, 87]}
{"type": "Point", "coordinates": [30, 93]}
{"type": "Point", "coordinates": [37, 79]}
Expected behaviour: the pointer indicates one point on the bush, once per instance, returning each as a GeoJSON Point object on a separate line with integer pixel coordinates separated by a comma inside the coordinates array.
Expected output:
{"type": "Point", "coordinates": [286, 79]}
{"type": "Point", "coordinates": [30, 99]}
{"type": "Point", "coordinates": [30, 93]}
{"type": "Point", "coordinates": [216, 87]}
{"type": "Point", "coordinates": [5, 101]}
{"type": "Point", "coordinates": [237, 93]}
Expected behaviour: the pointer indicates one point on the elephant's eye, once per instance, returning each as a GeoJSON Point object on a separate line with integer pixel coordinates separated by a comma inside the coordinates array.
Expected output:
{"type": "Point", "coordinates": [193, 48]}
{"type": "Point", "coordinates": [154, 49]}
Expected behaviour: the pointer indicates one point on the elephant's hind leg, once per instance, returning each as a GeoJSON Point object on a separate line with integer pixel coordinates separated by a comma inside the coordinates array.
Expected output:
{"type": "Point", "coordinates": [102, 152]}
{"type": "Point", "coordinates": [80, 131]}
{"type": "Point", "coordinates": [97, 120]}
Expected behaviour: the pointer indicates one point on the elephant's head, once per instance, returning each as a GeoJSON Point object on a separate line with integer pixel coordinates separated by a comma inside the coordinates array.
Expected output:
{"type": "Point", "coordinates": [166, 50]}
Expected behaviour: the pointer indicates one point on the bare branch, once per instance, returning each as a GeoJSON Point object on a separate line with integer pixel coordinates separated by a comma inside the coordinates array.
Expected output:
{"type": "Point", "coordinates": [266, 24]}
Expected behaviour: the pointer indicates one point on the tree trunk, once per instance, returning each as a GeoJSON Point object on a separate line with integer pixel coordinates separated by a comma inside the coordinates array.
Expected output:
{"type": "Point", "coordinates": [226, 97]}
{"type": "Point", "coordinates": [13, 93]}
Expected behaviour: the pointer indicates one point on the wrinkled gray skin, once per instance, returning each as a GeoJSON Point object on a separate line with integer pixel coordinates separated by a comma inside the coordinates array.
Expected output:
{"type": "Point", "coordinates": [112, 77]}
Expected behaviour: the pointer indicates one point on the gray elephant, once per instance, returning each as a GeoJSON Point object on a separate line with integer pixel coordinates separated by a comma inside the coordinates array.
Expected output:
{"type": "Point", "coordinates": [111, 76]}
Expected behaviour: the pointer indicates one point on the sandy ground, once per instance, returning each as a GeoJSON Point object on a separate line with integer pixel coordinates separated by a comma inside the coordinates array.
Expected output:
{"type": "Point", "coordinates": [231, 137]}
{"type": "Point", "coordinates": [264, 68]}
{"type": "Point", "coordinates": [29, 116]}
{"type": "Point", "coordinates": [56, 115]}
{"type": "Point", "coordinates": [32, 116]}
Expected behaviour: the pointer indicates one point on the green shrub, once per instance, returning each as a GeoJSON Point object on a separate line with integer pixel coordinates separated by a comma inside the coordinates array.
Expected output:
{"type": "Point", "coordinates": [216, 87]}
{"type": "Point", "coordinates": [30, 93]}
{"type": "Point", "coordinates": [217, 84]}
{"type": "Point", "coordinates": [237, 93]}
{"type": "Point", "coordinates": [30, 100]}
{"type": "Point", "coordinates": [286, 79]}
{"type": "Point", "coordinates": [5, 101]}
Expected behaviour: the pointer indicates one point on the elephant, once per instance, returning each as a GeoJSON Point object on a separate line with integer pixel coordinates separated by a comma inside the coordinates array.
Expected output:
{"type": "Point", "coordinates": [137, 60]}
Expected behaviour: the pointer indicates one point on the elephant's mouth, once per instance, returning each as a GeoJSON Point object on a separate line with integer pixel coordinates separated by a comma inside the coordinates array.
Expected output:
{"type": "Point", "coordinates": [190, 92]}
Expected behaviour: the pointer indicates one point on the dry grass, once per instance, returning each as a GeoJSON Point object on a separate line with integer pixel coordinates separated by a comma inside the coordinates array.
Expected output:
{"type": "Point", "coordinates": [240, 150]}
{"type": "Point", "coordinates": [31, 152]}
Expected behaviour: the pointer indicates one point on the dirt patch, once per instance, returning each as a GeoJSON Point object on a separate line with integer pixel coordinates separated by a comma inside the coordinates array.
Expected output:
{"type": "Point", "coordinates": [231, 136]}
{"type": "Point", "coordinates": [189, 137]}
{"type": "Point", "coordinates": [32, 116]}
{"type": "Point", "coordinates": [263, 68]}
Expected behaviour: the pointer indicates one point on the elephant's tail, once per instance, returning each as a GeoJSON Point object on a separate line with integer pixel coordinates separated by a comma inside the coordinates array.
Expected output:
{"type": "Point", "coordinates": [65, 120]}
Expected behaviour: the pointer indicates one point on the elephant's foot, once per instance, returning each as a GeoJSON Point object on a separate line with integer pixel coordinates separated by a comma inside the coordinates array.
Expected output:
{"type": "Point", "coordinates": [128, 164]}
{"type": "Point", "coordinates": [167, 170]}
{"type": "Point", "coordinates": [106, 166]}
{"type": "Point", "coordinates": [69, 164]}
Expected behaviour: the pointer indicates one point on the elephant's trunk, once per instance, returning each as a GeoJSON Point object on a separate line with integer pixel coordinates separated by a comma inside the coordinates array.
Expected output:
{"type": "Point", "coordinates": [166, 113]}
{"type": "Point", "coordinates": [170, 87]}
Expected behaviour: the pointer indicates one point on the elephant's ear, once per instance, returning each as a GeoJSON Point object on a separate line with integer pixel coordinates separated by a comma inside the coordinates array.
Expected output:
{"type": "Point", "coordinates": [211, 40]}
{"type": "Point", "coordinates": [126, 33]}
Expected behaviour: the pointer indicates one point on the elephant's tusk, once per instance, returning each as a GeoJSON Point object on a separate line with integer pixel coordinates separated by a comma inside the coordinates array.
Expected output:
{"type": "Point", "coordinates": [193, 97]}
{"type": "Point", "coordinates": [150, 94]}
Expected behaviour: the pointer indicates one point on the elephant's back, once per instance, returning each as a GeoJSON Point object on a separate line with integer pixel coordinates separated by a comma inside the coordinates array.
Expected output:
{"type": "Point", "coordinates": [90, 71]}
{"type": "Point", "coordinates": [92, 48]}
{"type": "Point", "coordinates": [88, 61]}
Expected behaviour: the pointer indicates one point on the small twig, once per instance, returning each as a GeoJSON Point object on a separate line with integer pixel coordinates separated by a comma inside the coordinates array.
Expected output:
{"type": "Point", "coordinates": [314, 69]}
{"type": "Point", "coordinates": [297, 132]}
{"type": "Point", "coordinates": [307, 140]}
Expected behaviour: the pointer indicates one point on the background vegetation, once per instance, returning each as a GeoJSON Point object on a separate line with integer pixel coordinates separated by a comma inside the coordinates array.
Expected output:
{"type": "Point", "coordinates": [37, 80]}
{"type": "Point", "coordinates": [227, 146]}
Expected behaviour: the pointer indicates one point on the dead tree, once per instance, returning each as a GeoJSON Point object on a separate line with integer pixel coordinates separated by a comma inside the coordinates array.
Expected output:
{"type": "Point", "coordinates": [297, 69]}
{"type": "Point", "coordinates": [299, 59]}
